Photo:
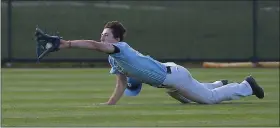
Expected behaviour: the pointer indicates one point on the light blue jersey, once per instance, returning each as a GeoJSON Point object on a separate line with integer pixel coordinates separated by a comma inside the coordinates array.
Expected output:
{"type": "Point", "coordinates": [133, 64]}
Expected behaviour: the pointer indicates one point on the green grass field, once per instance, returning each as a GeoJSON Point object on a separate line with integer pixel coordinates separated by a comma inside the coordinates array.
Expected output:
{"type": "Point", "coordinates": [70, 97]}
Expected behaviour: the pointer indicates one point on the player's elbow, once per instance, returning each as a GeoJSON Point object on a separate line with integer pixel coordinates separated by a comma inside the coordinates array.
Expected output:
{"type": "Point", "coordinates": [103, 47]}
{"type": "Point", "coordinates": [94, 45]}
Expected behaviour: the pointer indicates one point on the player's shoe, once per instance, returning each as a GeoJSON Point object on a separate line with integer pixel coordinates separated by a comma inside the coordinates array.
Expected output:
{"type": "Point", "coordinates": [225, 82]}
{"type": "Point", "coordinates": [257, 90]}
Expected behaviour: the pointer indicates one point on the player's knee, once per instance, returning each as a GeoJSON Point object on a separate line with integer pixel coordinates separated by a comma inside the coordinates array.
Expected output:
{"type": "Point", "coordinates": [176, 95]}
{"type": "Point", "coordinates": [209, 100]}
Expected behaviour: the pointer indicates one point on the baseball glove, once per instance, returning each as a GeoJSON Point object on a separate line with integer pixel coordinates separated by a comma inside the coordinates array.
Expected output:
{"type": "Point", "coordinates": [45, 43]}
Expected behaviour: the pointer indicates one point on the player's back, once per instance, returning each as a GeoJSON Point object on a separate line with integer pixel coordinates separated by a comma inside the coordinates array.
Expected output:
{"type": "Point", "coordinates": [134, 64]}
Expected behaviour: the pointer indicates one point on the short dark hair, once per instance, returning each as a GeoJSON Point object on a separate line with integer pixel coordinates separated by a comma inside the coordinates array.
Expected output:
{"type": "Point", "coordinates": [117, 28]}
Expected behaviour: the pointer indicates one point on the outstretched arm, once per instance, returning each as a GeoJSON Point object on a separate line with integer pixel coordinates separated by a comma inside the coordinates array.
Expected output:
{"type": "Point", "coordinates": [121, 83]}
{"type": "Point", "coordinates": [88, 44]}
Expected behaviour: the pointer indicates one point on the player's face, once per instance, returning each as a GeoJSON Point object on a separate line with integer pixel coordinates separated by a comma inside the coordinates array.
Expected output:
{"type": "Point", "coordinates": [107, 36]}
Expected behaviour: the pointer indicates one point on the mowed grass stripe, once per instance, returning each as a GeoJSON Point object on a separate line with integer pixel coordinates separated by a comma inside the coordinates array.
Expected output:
{"type": "Point", "coordinates": [97, 110]}
{"type": "Point", "coordinates": [75, 114]}
{"type": "Point", "coordinates": [26, 77]}
{"type": "Point", "coordinates": [67, 97]}
{"type": "Point", "coordinates": [129, 120]}
{"type": "Point", "coordinates": [90, 96]}
{"type": "Point", "coordinates": [71, 97]}
{"type": "Point", "coordinates": [55, 71]}
{"type": "Point", "coordinates": [194, 71]}
{"type": "Point", "coordinates": [57, 77]}
{"type": "Point", "coordinates": [26, 97]}
{"type": "Point", "coordinates": [84, 105]}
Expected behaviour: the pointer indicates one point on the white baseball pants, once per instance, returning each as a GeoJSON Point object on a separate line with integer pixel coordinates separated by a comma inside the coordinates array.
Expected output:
{"type": "Point", "coordinates": [188, 87]}
{"type": "Point", "coordinates": [176, 95]}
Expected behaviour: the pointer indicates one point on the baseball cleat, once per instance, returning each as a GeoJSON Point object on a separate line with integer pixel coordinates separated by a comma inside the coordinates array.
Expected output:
{"type": "Point", "coordinates": [257, 90]}
{"type": "Point", "coordinates": [225, 82]}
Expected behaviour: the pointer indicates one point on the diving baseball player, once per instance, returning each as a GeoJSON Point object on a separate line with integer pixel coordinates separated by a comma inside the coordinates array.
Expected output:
{"type": "Point", "coordinates": [128, 62]}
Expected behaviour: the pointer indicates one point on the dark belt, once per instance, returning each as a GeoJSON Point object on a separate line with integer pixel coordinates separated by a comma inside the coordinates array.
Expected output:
{"type": "Point", "coordinates": [168, 69]}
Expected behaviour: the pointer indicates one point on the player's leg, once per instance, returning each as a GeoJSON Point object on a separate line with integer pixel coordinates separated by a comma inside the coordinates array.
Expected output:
{"type": "Point", "coordinates": [193, 90]}
{"type": "Point", "coordinates": [215, 84]}
{"type": "Point", "coordinates": [235, 89]}
{"type": "Point", "coordinates": [174, 93]}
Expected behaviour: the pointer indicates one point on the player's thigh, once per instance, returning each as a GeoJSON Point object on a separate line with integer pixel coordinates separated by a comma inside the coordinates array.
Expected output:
{"type": "Point", "coordinates": [191, 88]}
{"type": "Point", "coordinates": [176, 95]}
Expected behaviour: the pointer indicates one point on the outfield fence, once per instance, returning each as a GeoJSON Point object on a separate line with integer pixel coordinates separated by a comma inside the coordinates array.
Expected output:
{"type": "Point", "coordinates": [166, 30]}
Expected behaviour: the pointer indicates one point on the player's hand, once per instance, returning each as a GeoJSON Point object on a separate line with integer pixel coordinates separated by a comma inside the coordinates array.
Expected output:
{"type": "Point", "coordinates": [107, 103]}
{"type": "Point", "coordinates": [45, 43]}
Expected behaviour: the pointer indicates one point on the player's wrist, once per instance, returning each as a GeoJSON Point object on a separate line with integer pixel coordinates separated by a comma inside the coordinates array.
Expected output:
{"type": "Point", "coordinates": [69, 44]}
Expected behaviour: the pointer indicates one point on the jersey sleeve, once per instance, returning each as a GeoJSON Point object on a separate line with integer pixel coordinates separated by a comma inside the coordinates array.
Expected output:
{"type": "Point", "coordinates": [122, 46]}
{"type": "Point", "coordinates": [114, 71]}
{"type": "Point", "coordinates": [113, 67]}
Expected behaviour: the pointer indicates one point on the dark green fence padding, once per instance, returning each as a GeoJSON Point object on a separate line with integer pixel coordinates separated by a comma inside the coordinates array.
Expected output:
{"type": "Point", "coordinates": [173, 30]}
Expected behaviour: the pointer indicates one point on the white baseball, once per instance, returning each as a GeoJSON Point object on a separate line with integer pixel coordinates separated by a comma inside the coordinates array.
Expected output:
{"type": "Point", "coordinates": [48, 45]}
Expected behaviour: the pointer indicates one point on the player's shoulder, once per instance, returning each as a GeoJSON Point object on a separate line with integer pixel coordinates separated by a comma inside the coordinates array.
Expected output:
{"type": "Point", "coordinates": [121, 44]}
{"type": "Point", "coordinates": [123, 48]}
